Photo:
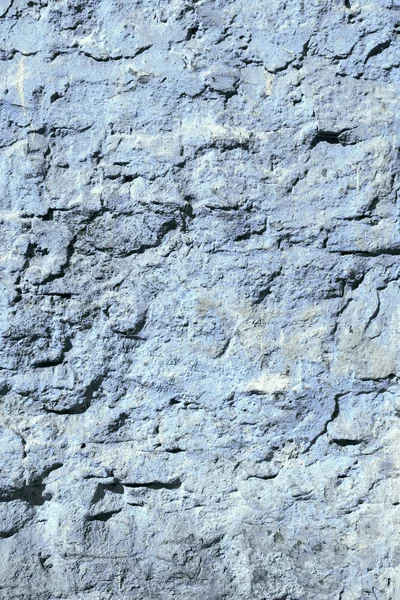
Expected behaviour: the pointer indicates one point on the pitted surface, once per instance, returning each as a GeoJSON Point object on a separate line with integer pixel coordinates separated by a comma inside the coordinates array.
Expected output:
{"type": "Point", "coordinates": [200, 269]}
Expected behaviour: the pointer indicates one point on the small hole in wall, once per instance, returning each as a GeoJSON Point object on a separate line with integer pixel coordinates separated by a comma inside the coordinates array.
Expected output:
{"type": "Point", "coordinates": [128, 178]}
{"type": "Point", "coordinates": [347, 3]}
{"type": "Point", "coordinates": [83, 445]}
{"type": "Point", "coordinates": [54, 97]}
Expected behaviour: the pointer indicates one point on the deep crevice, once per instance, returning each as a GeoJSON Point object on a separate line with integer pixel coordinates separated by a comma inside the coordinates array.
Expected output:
{"type": "Point", "coordinates": [34, 495]}
{"type": "Point", "coordinates": [344, 442]}
{"type": "Point", "coordinates": [378, 49]}
{"type": "Point", "coordinates": [103, 516]}
{"type": "Point", "coordinates": [174, 484]}
{"type": "Point", "coordinates": [44, 364]}
{"type": "Point", "coordinates": [330, 137]}
{"type": "Point", "coordinates": [368, 254]}
{"type": "Point", "coordinates": [264, 477]}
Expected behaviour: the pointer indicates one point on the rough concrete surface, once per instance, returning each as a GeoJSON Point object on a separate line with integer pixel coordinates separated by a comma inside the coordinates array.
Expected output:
{"type": "Point", "coordinates": [200, 302]}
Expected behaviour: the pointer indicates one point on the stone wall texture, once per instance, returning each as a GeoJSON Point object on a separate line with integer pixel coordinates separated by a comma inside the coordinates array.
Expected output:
{"type": "Point", "coordinates": [200, 300]}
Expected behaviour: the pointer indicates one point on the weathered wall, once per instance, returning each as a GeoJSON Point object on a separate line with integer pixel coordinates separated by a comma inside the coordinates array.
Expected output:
{"type": "Point", "coordinates": [200, 300]}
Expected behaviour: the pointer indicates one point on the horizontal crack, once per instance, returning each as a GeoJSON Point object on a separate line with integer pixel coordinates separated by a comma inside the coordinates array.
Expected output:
{"type": "Point", "coordinates": [174, 484]}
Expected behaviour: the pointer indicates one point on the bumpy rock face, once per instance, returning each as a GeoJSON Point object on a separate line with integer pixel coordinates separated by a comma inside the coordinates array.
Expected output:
{"type": "Point", "coordinates": [200, 300]}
